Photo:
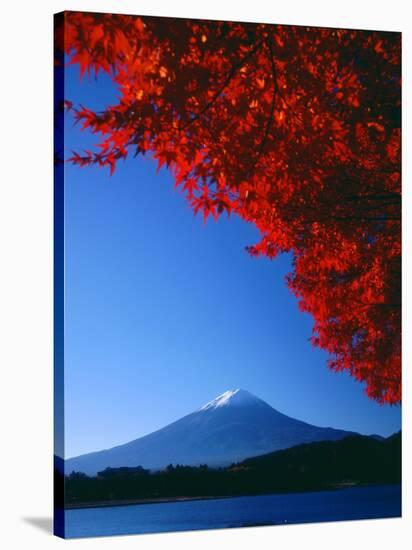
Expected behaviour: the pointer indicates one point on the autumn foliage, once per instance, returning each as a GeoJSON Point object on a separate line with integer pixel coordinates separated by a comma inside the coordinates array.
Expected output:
{"type": "Point", "coordinates": [296, 130]}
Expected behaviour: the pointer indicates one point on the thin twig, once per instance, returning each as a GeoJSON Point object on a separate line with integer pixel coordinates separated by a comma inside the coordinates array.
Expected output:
{"type": "Point", "coordinates": [226, 82]}
{"type": "Point", "coordinates": [272, 107]}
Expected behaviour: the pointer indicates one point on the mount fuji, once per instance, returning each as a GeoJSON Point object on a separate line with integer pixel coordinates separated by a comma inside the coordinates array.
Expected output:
{"type": "Point", "coordinates": [233, 426]}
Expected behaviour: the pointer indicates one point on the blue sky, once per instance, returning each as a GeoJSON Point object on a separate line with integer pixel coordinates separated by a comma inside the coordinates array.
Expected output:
{"type": "Point", "coordinates": [164, 312]}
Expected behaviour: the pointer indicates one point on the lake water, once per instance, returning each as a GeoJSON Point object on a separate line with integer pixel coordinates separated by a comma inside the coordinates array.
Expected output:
{"type": "Point", "coordinates": [344, 504]}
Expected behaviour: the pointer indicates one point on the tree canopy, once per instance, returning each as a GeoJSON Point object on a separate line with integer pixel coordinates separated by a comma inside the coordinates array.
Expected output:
{"type": "Point", "coordinates": [294, 129]}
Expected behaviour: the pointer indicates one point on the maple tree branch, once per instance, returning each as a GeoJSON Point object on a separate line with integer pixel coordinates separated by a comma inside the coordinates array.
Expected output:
{"type": "Point", "coordinates": [388, 379]}
{"type": "Point", "coordinates": [226, 82]}
{"type": "Point", "coordinates": [362, 218]}
{"type": "Point", "coordinates": [298, 117]}
{"type": "Point", "coordinates": [272, 105]}
{"type": "Point", "coordinates": [375, 196]}
{"type": "Point", "coordinates": [382, 304]}
{"type": "Point", "coordinates": [268, 124]}
{"type": "Point", "coordinates": [219, 116]}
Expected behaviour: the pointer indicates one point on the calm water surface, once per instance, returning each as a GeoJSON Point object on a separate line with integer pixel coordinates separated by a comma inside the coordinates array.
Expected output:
{"type": "Point", "coordinates": [344, 504]}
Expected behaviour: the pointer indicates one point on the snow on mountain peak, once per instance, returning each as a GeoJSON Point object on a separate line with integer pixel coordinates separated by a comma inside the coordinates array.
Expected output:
{"type": "Point", "coordinates": [230, 397]}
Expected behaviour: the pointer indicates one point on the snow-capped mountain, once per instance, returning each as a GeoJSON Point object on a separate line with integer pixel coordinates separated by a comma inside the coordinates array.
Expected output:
{"type": "Point", "coordinates": [233, 426]}
{"type": "Point", "coordinates": [233, 398]}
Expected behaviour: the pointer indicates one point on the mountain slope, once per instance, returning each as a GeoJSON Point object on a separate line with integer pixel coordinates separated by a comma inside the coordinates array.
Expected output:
{"type": "Point", "coordinates": [232, 427]}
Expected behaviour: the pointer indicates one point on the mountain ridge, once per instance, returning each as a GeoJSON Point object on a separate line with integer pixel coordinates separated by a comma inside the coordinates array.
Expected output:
{"type": "Point", "coordinates": [232, 427]}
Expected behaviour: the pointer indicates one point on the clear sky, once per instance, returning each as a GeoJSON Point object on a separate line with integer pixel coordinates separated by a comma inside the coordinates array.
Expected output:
{"type": "Point", "coordinates": [164, 312]}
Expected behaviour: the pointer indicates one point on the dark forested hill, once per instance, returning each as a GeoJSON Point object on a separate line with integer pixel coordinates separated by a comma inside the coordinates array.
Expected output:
{"type": "Point", "coordinates": [354, 460]}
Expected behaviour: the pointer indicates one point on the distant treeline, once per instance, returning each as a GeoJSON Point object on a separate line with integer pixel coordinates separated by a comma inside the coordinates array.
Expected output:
{"type": "Point", "coordinates": [308, 467]}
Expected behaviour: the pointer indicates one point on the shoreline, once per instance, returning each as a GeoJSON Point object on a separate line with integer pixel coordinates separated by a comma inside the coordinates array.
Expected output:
{"type": "Point", "coordinates": [137, 501]}
{"type": "Point", "coordinates": [165, 500]}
